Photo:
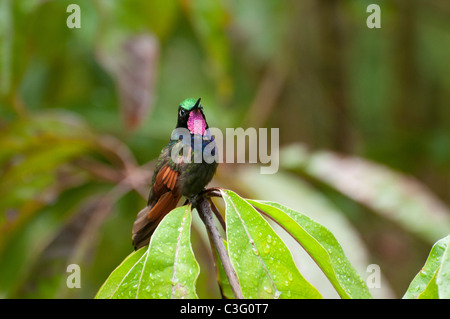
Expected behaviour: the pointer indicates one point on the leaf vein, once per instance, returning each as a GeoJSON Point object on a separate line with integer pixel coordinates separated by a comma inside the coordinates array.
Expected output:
{"type": "Point", "coordinates": [252, 242]}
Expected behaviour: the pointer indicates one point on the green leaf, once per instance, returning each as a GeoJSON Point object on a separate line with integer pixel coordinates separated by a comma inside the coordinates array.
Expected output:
{"type": "Point", "coordinates": [433, 280]}
{"type": "Point", "coordinates": [431, 291]}
{"type": "Point", "coordinates": [321, 245]}
{"type": "Point", "coordinates": [299, 195]}
{"type": "Point", "coordinates": [166, 269]}
{"type": "Point", "coordinates": [32, 151]}
{"type": "Point", "coordinates": [116, 278]}
{"type": "Point", "coordinates": [383, 190]}
{"type": "Point", "coordinates": [443, 275]}
{"type": "Point", "coordinates": [222, 280]}
{"type": "Point", "coordinates": [264, 265]}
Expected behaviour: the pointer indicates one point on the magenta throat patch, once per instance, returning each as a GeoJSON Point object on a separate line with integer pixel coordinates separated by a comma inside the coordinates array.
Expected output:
{"type": "Point", "coordinates": [196, 123]}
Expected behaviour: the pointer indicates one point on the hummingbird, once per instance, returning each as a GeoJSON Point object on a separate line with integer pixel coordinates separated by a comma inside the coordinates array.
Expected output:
{"type": "Point", "coordinates": [177, 175]}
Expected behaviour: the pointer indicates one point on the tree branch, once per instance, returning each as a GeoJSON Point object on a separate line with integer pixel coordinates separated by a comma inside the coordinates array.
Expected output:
{"type": "Point", "coordinates": [217, 213]}
{"type": "Point", "coordinates": [204, 209]}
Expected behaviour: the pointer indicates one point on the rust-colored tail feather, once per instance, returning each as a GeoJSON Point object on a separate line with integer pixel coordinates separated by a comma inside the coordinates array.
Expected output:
{"type": "Point", "coordinates": [148, 219]}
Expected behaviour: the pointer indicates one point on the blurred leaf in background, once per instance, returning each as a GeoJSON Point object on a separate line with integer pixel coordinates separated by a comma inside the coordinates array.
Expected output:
{"type": "Point", "coordinates": [363, 117]}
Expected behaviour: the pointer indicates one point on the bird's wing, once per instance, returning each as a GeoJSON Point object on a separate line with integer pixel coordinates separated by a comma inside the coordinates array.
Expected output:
{"type": "Point", "coordinates": [165, 197]}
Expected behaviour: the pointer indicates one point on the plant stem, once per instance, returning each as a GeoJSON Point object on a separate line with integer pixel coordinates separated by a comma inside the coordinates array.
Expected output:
{"type": "Point", "coordinates": [218, 215]}
{"type": "Point", "coordinates": [204, 210]}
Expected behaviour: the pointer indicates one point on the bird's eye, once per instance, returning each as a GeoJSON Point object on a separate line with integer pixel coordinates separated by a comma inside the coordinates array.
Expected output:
{"type": "Point", "coordinates": [182, 112]}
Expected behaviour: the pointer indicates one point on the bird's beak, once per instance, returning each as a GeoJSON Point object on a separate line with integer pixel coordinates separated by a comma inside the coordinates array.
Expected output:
{"type": "Point", "coordinates": [197, 104]}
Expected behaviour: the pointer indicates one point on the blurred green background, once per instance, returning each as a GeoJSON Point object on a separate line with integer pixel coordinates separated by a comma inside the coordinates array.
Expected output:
{"type": "Point", "coordinates": [363, 114]}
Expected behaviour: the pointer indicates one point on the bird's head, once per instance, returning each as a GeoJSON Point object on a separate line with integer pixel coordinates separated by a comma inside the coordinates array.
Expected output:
{"type": "Point", "coordinates": [190, 116]}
